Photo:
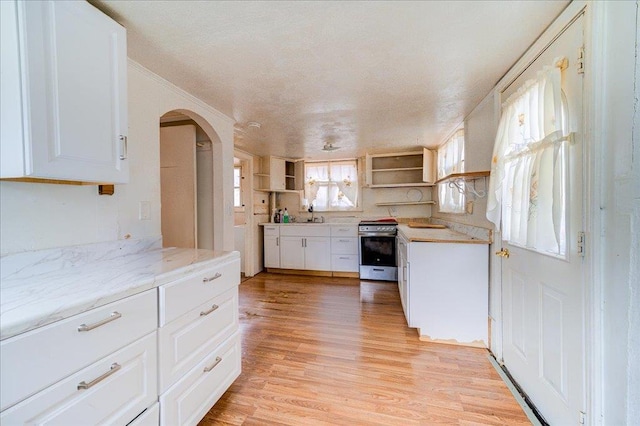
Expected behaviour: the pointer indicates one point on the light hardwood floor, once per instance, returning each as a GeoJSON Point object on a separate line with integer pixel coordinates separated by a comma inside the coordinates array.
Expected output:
{"type": "Point", "coordinates": [337, 351]}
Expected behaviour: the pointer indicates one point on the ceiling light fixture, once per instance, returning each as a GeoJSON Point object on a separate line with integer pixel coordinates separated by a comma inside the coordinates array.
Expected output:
{"type": "Point", "coordinates": [329, 147]}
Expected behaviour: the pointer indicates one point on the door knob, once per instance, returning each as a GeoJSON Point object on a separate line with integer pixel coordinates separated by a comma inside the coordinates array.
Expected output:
{"type": "Point", "coordinates": [503, 253]}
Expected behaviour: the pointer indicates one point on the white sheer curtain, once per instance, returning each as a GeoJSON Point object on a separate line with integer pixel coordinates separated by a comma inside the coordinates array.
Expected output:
{"type": "Point", "coordinates": [451, 160]}
{"type": "Point", "coordinates": [332, 185]}
{"type": "Point", "coordinates": [527, 188]}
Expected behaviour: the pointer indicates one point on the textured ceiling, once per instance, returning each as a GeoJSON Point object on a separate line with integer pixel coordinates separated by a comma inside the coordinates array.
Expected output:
{"type": "Point", "coordinates": [366, 76]}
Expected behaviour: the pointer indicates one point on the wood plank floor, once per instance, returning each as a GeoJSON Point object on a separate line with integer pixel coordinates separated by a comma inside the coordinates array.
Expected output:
{"type": "Point", "coordinates": [337, 351]}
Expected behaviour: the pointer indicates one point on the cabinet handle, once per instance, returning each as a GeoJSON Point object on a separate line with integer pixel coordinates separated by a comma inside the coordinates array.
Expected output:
{"type": "Point", "coordinates": [84, 385]}
{"type": "Point", "coordinates": [215, 277]}
{"type": "Point", "coordinates": [205, 313]}
{"type": "Point", "coordinates": [277, 241]}
{"type": "Point", "coordinates": [114, 316]}
{"type": "Point", "coordinates": [216, 362]}
{"type": "Point", "coordinates": [344, 241]}
{"type": "Point", "coordinates": [123, 150]}
{"type": "Point", "coordinates": [343, 258]}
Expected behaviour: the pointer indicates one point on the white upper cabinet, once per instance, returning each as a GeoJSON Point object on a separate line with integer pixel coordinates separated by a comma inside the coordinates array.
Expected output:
{"type": "Point", "coordinates": [64, 93]}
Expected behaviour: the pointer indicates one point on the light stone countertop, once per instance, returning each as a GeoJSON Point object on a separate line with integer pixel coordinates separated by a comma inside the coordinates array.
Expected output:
{"type": "Point", "coordinates": [42, 287]}
{"type": "Point", "coordinates": [434, 235]}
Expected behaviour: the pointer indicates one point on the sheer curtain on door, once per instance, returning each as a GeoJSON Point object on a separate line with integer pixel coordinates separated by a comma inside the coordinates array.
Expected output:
{"type": "Point", "coordinates": [527, 188]}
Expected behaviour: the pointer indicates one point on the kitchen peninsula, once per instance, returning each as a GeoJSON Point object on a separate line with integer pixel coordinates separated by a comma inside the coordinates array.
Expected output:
{"type": "Point", "coordinates": [443, 279]}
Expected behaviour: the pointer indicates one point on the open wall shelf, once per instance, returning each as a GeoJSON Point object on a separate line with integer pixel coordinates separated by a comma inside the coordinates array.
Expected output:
{"type": "Point", "coordinates": [465, 176]}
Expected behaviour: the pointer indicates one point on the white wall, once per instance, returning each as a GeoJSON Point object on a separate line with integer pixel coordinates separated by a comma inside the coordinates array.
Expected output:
{"type": "Point", "coordinates": [617, 156]}
{"type": "Point", "coordinates": [38, 216]}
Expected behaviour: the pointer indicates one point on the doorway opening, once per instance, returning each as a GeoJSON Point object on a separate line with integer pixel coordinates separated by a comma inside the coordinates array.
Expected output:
{"type": "Point", "coordinates": [186, 182]}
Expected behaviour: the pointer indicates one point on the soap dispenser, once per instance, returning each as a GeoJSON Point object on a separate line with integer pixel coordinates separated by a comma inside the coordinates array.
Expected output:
{"type": "Point", "coordinates": [285, 216]}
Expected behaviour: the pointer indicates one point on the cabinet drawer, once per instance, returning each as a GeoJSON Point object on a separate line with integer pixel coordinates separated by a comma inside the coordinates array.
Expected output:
{"type": "Point", "coordinates": [272, 230]}
{"type": "Point", "coordinates": [186, 402]}
{"type": "Point", "coordinates": [114, 395]}
{"type": "Point", "coordinates": [187, 340]}
{"type": "Point", "coordinates": [305, 231]}
{"type": "Point", "coordinates": [344, 230]}
{"type": "Point", "coordinates": [151, 417]}
{"type": "Point", "coordinates": [181, 296]}
{"type": "Point", "coordinates": [34, 360]}
{"type": "Point", "coordinates": [344, 245]}
{"type": "Point", "coordinates": [344, 263]}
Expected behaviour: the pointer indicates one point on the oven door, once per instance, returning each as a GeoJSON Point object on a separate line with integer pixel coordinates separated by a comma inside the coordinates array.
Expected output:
{"type": "Point", "coordinates": [378, 257]}
{"type": "Point", "coordinates": [378, 250]}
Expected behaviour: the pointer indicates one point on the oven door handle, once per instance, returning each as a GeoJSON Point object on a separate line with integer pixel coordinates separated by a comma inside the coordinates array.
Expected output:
{"type": "Point", "coordinates": [376, 234]}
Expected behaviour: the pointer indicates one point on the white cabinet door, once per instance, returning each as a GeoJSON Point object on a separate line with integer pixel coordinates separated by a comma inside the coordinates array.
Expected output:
{"type": "Point", "coordinates": [292, 252]}
{"type": "Point", "coordinates": [403, 276]}
{"type": "Point", "coordinates": [73, 94]}
{"type": "Point", "coordinates": [277, 174]}
{"type": "Point", "coordinates": [271, 251]}
{"type": "Point", "coordinates": [317, 253]}
{"type": "Point", "coordinates": [428, 166]}
{"type": "Point", "coordinates": [446, 301]}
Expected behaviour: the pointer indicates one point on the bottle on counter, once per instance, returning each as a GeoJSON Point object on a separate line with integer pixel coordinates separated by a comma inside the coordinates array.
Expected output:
{"type": "Point", "coordinates": [285, 216]}
{"type": "Point", "coordinates": [276, 217]}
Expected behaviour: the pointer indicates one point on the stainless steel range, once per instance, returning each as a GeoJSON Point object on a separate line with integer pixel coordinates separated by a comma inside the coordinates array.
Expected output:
{"type": "Point", "coordinates": [378, 250]}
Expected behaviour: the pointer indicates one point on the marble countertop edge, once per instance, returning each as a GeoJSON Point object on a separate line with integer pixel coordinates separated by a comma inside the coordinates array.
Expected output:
{"type": "Point", "coordinates": [34, 296]}
{"type": "Point", "coordinates": [433, 235]}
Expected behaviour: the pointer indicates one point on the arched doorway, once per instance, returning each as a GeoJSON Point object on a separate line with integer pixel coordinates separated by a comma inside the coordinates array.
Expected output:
{"type": "Point", "coordinates": [190, 216]}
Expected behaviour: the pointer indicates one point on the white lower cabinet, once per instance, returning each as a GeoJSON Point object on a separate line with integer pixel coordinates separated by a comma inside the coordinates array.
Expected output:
{"type": "Point", "coordinates": [403, 286]}
{"type": "Point", "coordinates": [198, 342]}
{"type": "Point", "coordinates": [444, 301]}
{"type": "Point", "coordinates": [306, 247]}
{"type": "Point", "coordinates": [186, 402]}
{"type": "Point", "coordinates": [344, 248]}
{"type": "Point", "coordinates": [164, 356]}
{"type": "Point", "coordinates": [72, 344]}
{"type": "Point", "coordinates": [292, 254]}
{"type": "Point", "coordinates": [187, 340]}
{"type": "Point", "coordinates": [271, 246]}
{"type": "Point", "coordinates": [113, 390]}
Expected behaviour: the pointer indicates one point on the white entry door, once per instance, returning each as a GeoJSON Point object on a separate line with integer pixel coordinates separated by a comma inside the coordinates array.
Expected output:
{"type": "Point", "coordinates": [543, 296]}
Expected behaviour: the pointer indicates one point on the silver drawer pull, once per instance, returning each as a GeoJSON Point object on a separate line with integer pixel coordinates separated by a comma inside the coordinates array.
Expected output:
{"type": "Point", "coordinates": [215, 277]}
{"type": "Point", "coordinates": [114, 316]}
{"type": "Point", "coordinates": [217, 361]}
{"type": "Point", "coordinates": [213, 308]}
{"type": "Point", "coordinates": [114, 367]}
{"type": "Point", "coordinates": [343, 258]}
{"type": "Point", "coordinates": [344, 241]}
